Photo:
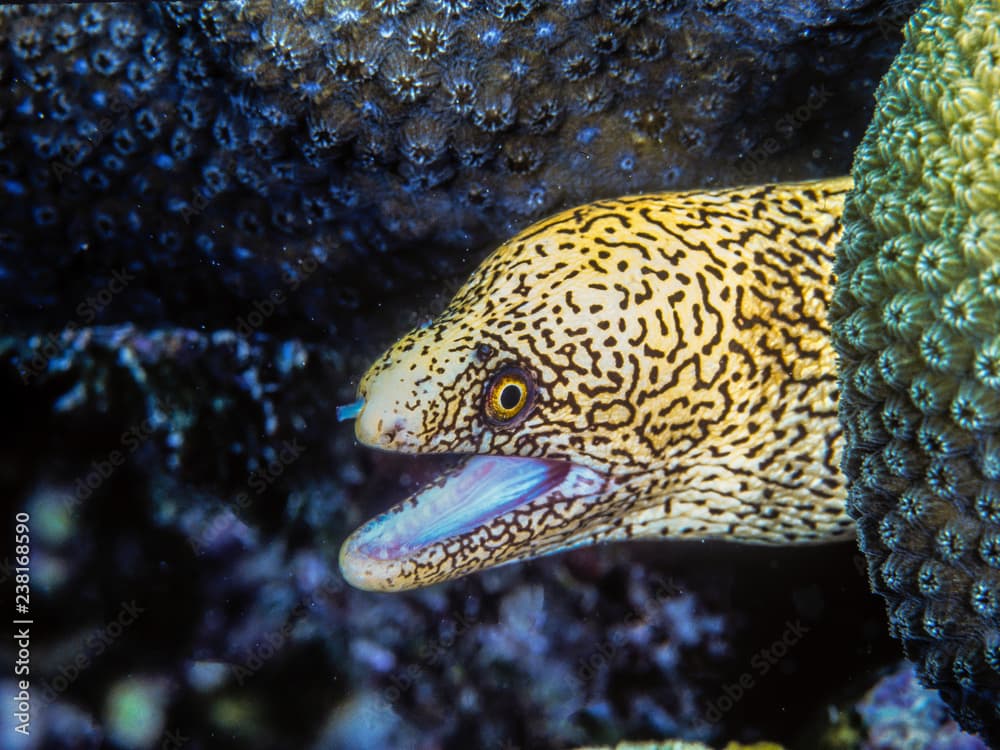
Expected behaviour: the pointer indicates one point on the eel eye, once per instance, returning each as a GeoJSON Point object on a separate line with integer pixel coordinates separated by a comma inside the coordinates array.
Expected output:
{"type": "Point", "coordinates": [508, 393]}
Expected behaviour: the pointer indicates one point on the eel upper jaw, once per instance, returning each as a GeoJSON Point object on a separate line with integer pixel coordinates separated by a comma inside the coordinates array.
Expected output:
{"type": "Point", "coordinates": [474, 516]}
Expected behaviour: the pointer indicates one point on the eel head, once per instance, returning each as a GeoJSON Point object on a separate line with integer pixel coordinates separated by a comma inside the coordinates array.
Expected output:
{"type": "Point", "coordinates": [591, 379]}
{"type": "Point", "coordinates": [532, 425]}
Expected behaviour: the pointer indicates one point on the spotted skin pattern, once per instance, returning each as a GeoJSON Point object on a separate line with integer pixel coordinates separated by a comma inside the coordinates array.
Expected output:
{"type": "Point", "coordinates": [678, 346]}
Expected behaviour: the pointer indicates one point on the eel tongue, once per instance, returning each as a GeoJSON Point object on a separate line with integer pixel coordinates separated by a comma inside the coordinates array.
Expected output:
{"type": "Point", "coordinates": [459, 503]}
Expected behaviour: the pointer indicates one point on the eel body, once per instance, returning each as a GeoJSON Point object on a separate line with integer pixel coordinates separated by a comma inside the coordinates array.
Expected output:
{"type": "Point", "coordinates": [650, 367]}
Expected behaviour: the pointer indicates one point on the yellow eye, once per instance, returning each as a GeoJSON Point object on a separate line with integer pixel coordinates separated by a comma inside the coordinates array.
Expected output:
{"type": "Point", "coordinates": [507, 394]}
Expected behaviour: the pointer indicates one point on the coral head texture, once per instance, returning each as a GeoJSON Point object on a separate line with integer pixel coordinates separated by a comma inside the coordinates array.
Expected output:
{"type": "Point", "coordinates": [915, 320]}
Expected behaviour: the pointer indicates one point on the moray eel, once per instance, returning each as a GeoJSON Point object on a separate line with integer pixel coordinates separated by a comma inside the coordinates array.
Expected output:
{"type": "Point", "coordinates": [651, 367]}
{"type": "Point", "coordinates": [658, 367]}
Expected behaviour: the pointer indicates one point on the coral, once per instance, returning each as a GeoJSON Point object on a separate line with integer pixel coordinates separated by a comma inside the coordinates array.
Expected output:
{"type": "Point", "coordinates": [915, 320]}
{"type": "Point", "coordinates": [682, 745]}
{"type": "Point", "coordinates": [898, 712]}
{"type": "Point", "coordinates": [135, 712]}
{"type": "Point", "coordinates": [206, 112]}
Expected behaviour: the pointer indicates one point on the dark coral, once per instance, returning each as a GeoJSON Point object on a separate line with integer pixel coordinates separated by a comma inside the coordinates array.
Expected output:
{"type": "Point", "coordinates": [915, 321]}
{"type": "Point", "coordinates": [166, 136]}
{"type": "Point", "coordinates": [900, 712]}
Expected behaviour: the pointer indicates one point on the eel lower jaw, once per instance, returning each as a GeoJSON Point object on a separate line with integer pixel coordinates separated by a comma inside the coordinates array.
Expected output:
{"type": "Point", "coordinates": [478, 514]}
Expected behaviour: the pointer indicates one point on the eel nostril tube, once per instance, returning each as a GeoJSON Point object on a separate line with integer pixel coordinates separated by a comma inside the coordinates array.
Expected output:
{"type": "Point", "coordinates": [349, 411]}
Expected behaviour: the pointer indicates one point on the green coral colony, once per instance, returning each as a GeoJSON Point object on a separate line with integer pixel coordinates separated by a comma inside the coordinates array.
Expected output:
{"type": "Point", "coordinates": [736, 435]}
{"type": "Point", "coordinates": [916, 322]}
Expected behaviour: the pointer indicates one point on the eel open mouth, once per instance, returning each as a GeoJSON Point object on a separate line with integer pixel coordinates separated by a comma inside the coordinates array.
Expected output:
{"type": "Point", "coordinates": [469, 518]}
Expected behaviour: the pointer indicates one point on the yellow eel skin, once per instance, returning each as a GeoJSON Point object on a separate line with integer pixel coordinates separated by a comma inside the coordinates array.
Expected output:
{"type": "Point", "coordinates": [673, 379]}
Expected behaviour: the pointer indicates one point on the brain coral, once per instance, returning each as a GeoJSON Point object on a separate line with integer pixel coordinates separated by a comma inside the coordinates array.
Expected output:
{"type": "Point", "coordinates": [916, 320]}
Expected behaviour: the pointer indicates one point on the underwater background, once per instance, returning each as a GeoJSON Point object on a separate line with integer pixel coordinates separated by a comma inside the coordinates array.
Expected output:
{"type": "Point", "coordinates": [215, 215]}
